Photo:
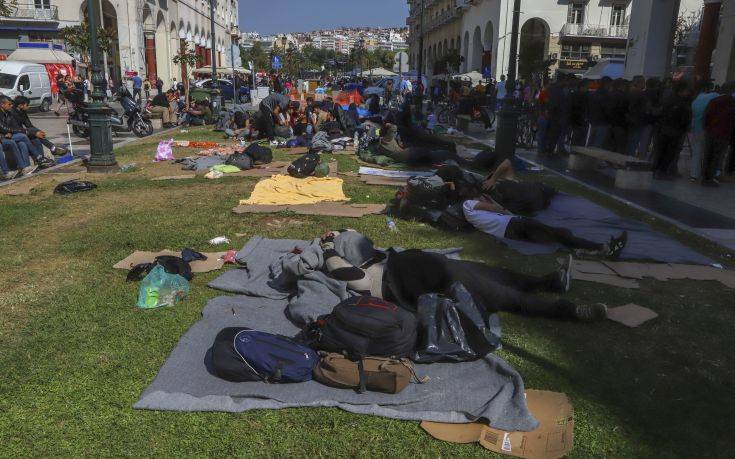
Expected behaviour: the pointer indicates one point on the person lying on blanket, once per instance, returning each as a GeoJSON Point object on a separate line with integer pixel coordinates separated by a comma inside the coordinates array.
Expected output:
{"type": "Point", "coordinates": [413, 273]}
{"type": "Point", "coordinates": [405, 276]}
{"type": "Point", "coordinates": [389, 146]}
{"type": "Point", "coordinates": [490, 217]}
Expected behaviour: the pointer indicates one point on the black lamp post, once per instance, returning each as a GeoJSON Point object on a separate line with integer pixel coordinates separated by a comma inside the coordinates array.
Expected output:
{"type": "Point", "coordinates": [102, 158]}
{"type": "Point", "coordinates": [420, 72]}
{"type": "Point", "coordinates": [507, 132]}
{"type": "Point", "coordinates": [235, 34]}
{"type": "Point", "coordinates": [215, 80]}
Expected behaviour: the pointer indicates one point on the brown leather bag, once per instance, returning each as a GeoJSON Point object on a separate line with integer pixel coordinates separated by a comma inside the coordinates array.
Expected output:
{"type": "Point", "coordinates": [376, 374]}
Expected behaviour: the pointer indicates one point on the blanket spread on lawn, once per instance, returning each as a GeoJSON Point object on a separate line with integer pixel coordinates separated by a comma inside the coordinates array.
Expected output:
{"type": "Point", "coordinates": [456, 392]}
{"type": "Point", "coordinates": [590, 221]}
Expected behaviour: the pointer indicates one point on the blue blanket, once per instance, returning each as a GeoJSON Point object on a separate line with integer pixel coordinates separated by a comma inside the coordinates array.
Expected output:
{"type": "Point", "coordinates": [591, 221]}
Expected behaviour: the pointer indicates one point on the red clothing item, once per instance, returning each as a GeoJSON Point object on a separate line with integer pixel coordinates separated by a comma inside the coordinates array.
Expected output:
{"type": "Point", "coordinates": [719, 117]}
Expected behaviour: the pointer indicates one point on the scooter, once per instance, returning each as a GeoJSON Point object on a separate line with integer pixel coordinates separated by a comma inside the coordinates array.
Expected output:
{"type": "Point", "coordinates": [134, 119]}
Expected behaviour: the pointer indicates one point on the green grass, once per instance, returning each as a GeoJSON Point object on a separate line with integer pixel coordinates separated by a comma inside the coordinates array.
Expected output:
{"type": "Point", "coordinates": [76, 353]}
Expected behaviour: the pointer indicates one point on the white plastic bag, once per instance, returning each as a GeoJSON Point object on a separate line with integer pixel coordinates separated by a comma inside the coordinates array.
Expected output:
{"type": "Point", "coordinates": [164, 151]}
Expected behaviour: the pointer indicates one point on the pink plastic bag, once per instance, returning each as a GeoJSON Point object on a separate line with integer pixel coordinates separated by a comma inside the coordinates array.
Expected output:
{"type": "Point", "coordinates": [229, 257]}
{"type": "Point", "coordinates": [164, 151]}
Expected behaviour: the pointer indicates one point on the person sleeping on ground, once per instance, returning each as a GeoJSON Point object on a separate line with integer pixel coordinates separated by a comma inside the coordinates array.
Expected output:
{"type": "Point", "coordinates": [404, 276]}
{"type": "Point", "coordinates": [389, 146]}
{"type": "Point", "coordinates": [413, 273]}
{"type": "Point", "coordinates": [416, 136]}
{"type": "Point", "coordinates": [490, 217]}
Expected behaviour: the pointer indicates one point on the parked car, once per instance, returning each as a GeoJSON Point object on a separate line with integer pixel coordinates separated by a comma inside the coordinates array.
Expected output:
{"type": "Point", "coordinates": [613, 68]}
{"type": "Point", "coordinates": [227, 88]}
{"type": "Point", "coordinates": [379, 87]}
{"type": "Point", "coordinates": [26, 79]}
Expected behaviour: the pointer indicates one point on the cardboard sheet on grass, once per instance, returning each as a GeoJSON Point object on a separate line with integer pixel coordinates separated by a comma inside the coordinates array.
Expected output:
{"type": "Point", "coordinates": [212, 263]}
{"type": "Point", "coordinates": [627, 274]}
{"type": "Point", "coordinates": [287, 190]}
{"type": "Point", "coordinates": [590, 221]}
{"type": "Point", "coordinates": [631, 315]}
{"type": "Point", "coordinates": [553, 438]}
{"type": "Point", "coordinates": [332, 209]}
{"type": "Point", "coordinates": [488, 388]}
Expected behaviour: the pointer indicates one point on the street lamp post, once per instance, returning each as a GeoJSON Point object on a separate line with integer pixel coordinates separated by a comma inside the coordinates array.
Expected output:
{"type": "Point", "coordinates": [102, 157]}
{"type": "Point", "coordinates": [507, 131]}
{"type": "Point", "coordinates": [420, 72]}
{"type": "Point", "coordinates": [215, 80]}
{"type": "Point", "coordinates": [235, 40]}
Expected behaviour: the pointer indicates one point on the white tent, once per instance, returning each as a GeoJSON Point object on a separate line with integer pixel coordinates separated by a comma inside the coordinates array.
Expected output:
{"type": "Point", "coordinates": [41, 56]}
{"type": "Point", "coordinates": [380, 72]}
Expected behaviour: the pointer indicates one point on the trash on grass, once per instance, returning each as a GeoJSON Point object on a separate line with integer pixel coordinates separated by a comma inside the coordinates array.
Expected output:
{"type": "Point", "coordinates": [160, 288]}
{"type": "Point", "coordinates": [219, 240]}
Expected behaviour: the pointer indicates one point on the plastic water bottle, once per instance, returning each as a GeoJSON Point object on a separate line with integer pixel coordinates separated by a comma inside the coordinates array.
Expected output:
{"type": "Point", "coordinates": [127, 167]}
{"type": "Point", "coordinates": [356, 140]}
{"type": "Point", "coordinates": [391, 225]}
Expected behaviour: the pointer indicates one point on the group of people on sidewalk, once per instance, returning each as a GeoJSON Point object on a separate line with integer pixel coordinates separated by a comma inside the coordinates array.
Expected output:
{"type": "Point", "coordinates": [22, 141]}
{"type": "Point", "coordinates": [646, 118]}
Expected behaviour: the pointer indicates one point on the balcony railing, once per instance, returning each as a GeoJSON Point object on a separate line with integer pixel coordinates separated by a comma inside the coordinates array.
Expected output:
{"type": "Point", "coordinates": [595, 30]}
{"type": "Point", "coordinates": [29, 11]}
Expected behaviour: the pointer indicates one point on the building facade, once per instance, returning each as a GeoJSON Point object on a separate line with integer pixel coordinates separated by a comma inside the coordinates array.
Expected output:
{"type": "Point", "coordinates": [147, 34]}
{"type": "Point", "coordinates": [569, 34]}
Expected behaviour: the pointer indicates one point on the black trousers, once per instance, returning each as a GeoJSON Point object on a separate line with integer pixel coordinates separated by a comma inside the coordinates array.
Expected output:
{"type": "Point", "coordinates": [532, 230]}
{"type": "Point", "coordinates": [714, 149]}
{"type": "Point", "coordinates": [499, 289]}
{"type": "Point", "coordinates": [267, 123]}
{"type": "Point", "coordinates": [664, 151]}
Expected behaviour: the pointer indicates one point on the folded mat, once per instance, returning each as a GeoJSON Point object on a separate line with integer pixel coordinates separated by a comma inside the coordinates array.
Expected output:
{"type": "Point", "coordinates": [456, 392]}
{"type": "Point", "coordinates": [590, 221]}
{"type": "Point", "coordinates": [286, 190]}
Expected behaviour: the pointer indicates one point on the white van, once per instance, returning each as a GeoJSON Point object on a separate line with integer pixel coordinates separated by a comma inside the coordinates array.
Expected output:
{"type": "Point", "coordinates": [26, 79]}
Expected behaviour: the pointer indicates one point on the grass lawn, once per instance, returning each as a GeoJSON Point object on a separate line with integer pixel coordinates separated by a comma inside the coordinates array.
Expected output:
{"type": "Point", "coordinates": [76, 353]}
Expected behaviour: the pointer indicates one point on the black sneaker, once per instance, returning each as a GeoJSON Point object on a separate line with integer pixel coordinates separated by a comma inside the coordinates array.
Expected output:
{"type": "Point", "coordinates": [591, 312]}
{"type": "Point", "coordinates": [616, 245]}
{"type": "Point", "coordinates": [44, 162]}
{"type": "Point", "coordinates": [59, 151]}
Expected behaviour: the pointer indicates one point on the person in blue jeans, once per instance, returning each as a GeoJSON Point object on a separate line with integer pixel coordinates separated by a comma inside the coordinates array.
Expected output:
{"type": "Point", "coordinates": [22, 163]}
{"type": "Point", "coordinates": [137, 86]}
{"type": "Point", "coordinates": [10, 124]}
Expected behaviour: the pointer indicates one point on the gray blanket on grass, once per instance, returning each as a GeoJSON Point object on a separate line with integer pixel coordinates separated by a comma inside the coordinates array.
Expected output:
{"type": "Point", "coordinates": [456, 392]}
{"type": "Point", "coordinates": [272, 271]}
{"type": "Point", "coordinates": [590, 221]}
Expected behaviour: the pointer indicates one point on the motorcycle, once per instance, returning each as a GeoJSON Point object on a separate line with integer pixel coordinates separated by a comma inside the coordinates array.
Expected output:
{"type": "Point", "coordinates": [134, 119]}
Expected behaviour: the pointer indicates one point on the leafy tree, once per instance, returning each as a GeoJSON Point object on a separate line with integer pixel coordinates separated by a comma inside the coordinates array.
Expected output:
{"type": "Point", "coordinates": [7, 7]}
{"type": "Point", "coordinates": [190, 59]}
{"type": "Point", "coordinates": [257, 56]}
{"type": "Point", "coordinates": [77, 40]}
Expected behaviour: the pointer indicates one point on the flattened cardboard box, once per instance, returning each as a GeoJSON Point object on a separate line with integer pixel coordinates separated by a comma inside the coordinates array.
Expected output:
{"type": "Point", "coordinates": [213, 262]}
{"type": "Point", "coordinates": [552, 439]}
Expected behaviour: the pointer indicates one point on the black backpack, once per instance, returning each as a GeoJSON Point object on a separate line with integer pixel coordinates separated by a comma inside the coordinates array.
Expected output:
{"type": "Point", "coordinates": [304, 166]}
{"type": "Point", "coordinates": [260, 154]}
{"type": "Point", "coordinates": [241, 160]}
{"type": "Point", "coordinates": [430, 192]}
{"type": "Point", "coordinates": [365, 326]}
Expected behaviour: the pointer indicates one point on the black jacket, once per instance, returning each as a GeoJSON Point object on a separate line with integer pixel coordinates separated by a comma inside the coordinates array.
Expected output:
{"type": "Point", "coordinates": [23, 120]}
{"type": "Point", "coordinates": [9, 124]}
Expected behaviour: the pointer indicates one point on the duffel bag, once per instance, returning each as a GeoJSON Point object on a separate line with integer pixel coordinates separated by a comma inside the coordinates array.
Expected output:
{"type": "Point", "coordinates": [429, 192]}
{"type": "Point", "coordinates": [380, 374]}
{"type": "Point", "coordinates": [241, 354]}
{"type": "Point", "coordinates": [241, 160]}
{"type": "Point", "coordinates": [259, 154]}
{"type": "Point", "coordinates": [304, 166]}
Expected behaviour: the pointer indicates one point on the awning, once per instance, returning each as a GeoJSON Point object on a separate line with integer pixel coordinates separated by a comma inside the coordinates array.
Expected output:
{"type": "Point", "coordinates": [41, 56]}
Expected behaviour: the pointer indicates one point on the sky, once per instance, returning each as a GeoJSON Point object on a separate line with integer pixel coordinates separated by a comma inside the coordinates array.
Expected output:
{"type": "Point", "coordinates": [279, 16]}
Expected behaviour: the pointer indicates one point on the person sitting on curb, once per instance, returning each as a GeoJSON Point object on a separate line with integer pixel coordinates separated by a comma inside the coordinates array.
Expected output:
{"type": "Point", "coordinates": [161, 104]}
{"type": "Point", "coordinates": [37, 136]}
{"type": "Point", "coordinates": [20, 160]}
{"type": "Point", "coordinates": [9, 124]}
{"type": "Point", "coordinates": [198, 115]}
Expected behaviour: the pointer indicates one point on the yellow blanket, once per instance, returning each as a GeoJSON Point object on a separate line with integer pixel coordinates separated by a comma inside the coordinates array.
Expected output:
{"type": "Point", "coordinates": [286, 190]}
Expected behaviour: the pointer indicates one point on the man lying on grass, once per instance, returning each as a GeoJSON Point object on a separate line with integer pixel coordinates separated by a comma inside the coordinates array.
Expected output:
{"type": "Point", "coordinates": [402, 277]}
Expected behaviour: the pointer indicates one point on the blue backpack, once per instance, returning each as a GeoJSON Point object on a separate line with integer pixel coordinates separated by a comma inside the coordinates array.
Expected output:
{"type": "Point", "coordinates": [241, 354]}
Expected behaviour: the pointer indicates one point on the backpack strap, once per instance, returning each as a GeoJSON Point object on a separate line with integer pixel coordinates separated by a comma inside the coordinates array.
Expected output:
{"type": "Point", "coordinates": [277, 373]}
{"type": "Point", "coordinates": [363, 377]}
